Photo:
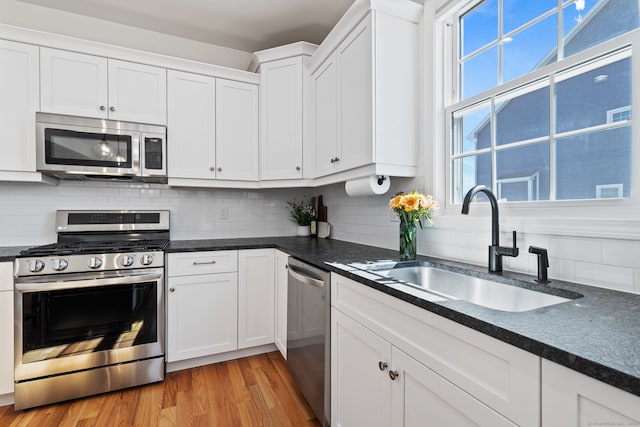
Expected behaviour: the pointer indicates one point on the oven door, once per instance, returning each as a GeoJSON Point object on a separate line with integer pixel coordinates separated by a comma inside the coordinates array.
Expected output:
{"type": "Point", "coordinates": [68, 323]}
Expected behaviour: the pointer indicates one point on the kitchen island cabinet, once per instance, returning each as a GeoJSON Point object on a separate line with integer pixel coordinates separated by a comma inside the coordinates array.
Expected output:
{"type": "Point", "coordinates": [92, 86]}
{"type": "Point", "coordinates": [6, 333]}
{"type": "Point", "coordinates": [393, 363]}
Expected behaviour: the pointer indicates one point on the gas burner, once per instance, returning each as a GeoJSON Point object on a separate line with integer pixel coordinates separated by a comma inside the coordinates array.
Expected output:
{"type": "Point", "coordinates": [95, 247]}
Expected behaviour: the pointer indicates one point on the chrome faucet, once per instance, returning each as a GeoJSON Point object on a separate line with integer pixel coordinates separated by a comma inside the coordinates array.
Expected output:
{"type": "Point", "coordinates": [496, 252]}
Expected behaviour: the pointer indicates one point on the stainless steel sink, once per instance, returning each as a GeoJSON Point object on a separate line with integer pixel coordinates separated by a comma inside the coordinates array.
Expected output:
{"type": "Point", "coordinates": [456, 286]}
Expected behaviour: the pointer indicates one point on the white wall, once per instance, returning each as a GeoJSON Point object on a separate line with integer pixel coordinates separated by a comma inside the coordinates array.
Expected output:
{"type": "Point", "coordinates": [20, 14]}
{"type": "Point", "coordinates": [27, 211]}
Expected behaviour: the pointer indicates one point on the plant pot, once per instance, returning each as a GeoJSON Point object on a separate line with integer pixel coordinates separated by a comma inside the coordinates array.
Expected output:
{"type": "Point", "coordinates": [303, 230]}
{"type": "Point", "coordinates": [407, 240]}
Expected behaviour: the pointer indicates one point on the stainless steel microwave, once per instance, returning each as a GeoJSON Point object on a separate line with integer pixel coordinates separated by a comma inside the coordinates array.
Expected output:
{"type": "Point", "coordinates": [69, 147]}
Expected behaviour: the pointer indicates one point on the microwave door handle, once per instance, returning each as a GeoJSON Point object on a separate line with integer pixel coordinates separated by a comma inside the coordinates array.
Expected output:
{"type": "Point", "coordinates": [86, 283]}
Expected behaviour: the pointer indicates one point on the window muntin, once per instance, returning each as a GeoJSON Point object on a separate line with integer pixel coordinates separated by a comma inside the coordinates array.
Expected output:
{"type": "Point", "coordinates": [544, 104]}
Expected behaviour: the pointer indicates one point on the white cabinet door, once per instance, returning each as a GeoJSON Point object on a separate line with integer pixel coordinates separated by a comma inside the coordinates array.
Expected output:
{"type": "Point", "coordinates": [137, 93]}
{"type": "Point", "coordinates": [570, 399]}
{"type": "Point", "coordinates": [6, 327]}
{"type": "Point", "coordinates": [281, 278]}
{"type": "Point", "coordinates": [201, 315]}
{"type": "Point", "coordinates": [236, 130]}
{"type": "Point", "coordinates": [19, 86]}
{"type": "Point", "coordinates": [420, 397]}
{"type": "Point", "coordinates": [325, 118]}
{"type": "Point", "coordinates": [191, 130]}
{"type": "Point", "coordinates": [355, 71]}
{"type": "Point", "coordinates": [360, 390]}
{"type": "Point", "coordinates": [73, 83]}
{"type": "Point", "coordinates": [281, 119]}
{"type": "Point", "coordinates": [256, 297]}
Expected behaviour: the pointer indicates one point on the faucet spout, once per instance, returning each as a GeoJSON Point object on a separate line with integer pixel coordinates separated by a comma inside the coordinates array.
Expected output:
{"type": "Point", "coordinates": [495, 226]}
{"type": "Point", "coordinates": [496, 252]}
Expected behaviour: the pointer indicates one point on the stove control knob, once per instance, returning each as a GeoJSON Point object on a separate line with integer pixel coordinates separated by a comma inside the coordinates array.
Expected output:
{"type": "Point", "coordinates": [95, 262]}
{"type": "Point", "coordinates": [60, 264]}
{"type": "Point", "coordinates": [127, 261]}
{"type": "Point", "coordinates": [147, 259]}
{"type": "Point", "coordinates": [36, 266]}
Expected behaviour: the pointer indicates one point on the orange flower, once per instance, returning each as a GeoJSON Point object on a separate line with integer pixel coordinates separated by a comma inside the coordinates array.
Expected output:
{"type": "Point", "coordinates": [395, 202]}
{"type": "Point", "coordinates": [411, 202]}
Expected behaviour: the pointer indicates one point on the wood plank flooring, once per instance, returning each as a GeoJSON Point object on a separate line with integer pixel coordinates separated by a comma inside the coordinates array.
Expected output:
{"type": "Point", "coordinates": [252, 391]}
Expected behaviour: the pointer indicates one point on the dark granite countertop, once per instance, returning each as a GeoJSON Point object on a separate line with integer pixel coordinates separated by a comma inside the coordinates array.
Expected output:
{"type": "Point", "coordinates": [9, 253]}
{"type": "Point", "coordinates": [597, 335]}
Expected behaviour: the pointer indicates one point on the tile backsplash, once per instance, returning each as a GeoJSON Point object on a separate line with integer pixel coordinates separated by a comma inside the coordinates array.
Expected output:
{"type": "Point", "coordinates": [28, 210]}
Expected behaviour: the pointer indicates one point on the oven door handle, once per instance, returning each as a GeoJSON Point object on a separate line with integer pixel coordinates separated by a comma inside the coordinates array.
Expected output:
{"type": "Point", "coordinates": [86, 283]}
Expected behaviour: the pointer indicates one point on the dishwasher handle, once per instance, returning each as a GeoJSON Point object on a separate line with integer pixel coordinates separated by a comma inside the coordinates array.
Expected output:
{"type": "Point", "coordinates": [303, 278]}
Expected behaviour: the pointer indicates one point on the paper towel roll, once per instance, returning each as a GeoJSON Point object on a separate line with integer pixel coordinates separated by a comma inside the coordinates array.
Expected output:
{"type": "Point", "coordinates": [367, 186]}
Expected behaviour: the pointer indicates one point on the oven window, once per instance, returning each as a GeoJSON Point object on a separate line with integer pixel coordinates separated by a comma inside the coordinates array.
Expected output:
{"type": "Point", "coordinates": [65, 147]}
{"type": "Point", "coordinates": [79, 321]}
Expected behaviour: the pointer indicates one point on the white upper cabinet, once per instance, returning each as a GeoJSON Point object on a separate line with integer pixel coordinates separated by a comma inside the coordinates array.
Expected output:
{"type": "Point", "coordinates": [281, 119]}
{"type": "Point", "coordinates": [236, 130]}
{"type": "Point", "coordinates": [191, 130]}
{"type": "Point", "coordinates": [19, 86]}
{"type": "Point", "coordinates": [137, 93]}
{"type": "Point", "coordinates": [212, 132]}
{"type": "Point", "coordinates": [365, 93]}
{"type": "Point", "coordinates": [91, 86]}
{"type": "Point", "coordinates": [285, 101]}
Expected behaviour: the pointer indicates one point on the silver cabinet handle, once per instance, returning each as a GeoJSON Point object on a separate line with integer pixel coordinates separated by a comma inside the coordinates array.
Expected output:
{"type": "Point", "coordinates": [393, 375]}
{"type": "Point", "coordinates": [102, 108]}
{"type": "Point", "coordinates": [204, 262]}
{"type": "Point", "coordinates": [172, 289]}
{"type": "Point", "coordinates": [112, 108]}
{"type": "Point", "coordinates": [212, 168]}
{"type": "Point", "coordinates": [382, 365]}
{"type": "Point", "coordinates": [219, 169]}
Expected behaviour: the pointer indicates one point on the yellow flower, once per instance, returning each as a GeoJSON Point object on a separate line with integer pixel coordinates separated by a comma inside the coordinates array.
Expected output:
{"type": "Point", "coordinates": [395, 202]}
{"type": "Point", "coordinates": [411, 202]}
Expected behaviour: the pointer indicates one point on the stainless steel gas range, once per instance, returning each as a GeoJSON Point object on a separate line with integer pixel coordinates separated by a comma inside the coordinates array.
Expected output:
{"type": "Point", "coordinates": [89, 309]}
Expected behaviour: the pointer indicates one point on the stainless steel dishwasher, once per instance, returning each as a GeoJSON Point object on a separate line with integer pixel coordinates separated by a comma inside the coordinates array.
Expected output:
{"type": "Point", "coordinates": [308, 335]}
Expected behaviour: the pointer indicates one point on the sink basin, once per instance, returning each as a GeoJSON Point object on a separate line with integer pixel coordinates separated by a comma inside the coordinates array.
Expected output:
{"type": "Point", "coordinates": [456, 286]}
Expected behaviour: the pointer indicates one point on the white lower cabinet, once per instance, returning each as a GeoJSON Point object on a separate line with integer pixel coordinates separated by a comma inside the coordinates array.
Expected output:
{"type": "Point", "coordinates": [201, 315]}
{"type": "Point", "coordinates": [256, 297]}
{"type": "Point", "coordinates": [281, 278]}
{"type": "Point", "coordinates": [6, 329]}
{"type": "Point", "coordinates": [394, 364]}
{"type": "Point", "coordinates": [570, 399]}
{"type": "Point", "coordinates": [219, 301]}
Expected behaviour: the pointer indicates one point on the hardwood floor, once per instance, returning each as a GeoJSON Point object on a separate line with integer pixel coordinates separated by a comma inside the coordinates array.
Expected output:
{"type": "Point", "coordinates": [252, 391]}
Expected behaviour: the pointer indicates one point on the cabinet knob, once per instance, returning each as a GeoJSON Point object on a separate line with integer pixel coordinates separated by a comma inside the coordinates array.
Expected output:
{"type": "Point", "coordinates": [102, 108]}
{"type": "Point", "coordinates": [172, 289]}
{"type": "Point", "coordinates": [382, 365]}
{"type": "Point", "coordinates": [219, 169]}
{"type": "Point", "coordinates": [333, 160]}
{"type": "Point", "coordinates": [393, 375]}
{"type": "Point", "coordinates": [112, 108]}
{"type": "Point", "coordinates": [297, 168]}
{"type": "Point", "coordinates": [212, 168]}
{"type": "Point", "coordinates": [337, 159]}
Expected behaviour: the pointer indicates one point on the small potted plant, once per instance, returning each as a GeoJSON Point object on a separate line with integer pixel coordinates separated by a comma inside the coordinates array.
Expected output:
{"type": "Point", "coordinates": [301, 214]}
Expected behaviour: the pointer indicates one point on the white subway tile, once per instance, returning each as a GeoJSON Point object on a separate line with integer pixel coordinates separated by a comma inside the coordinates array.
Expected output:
{"type": "Point", "coordinates": [577, 249]}
{"type": "Point", "coordinates": [621, 252]}
{"type": "Point", "coordinates": [606, 276]}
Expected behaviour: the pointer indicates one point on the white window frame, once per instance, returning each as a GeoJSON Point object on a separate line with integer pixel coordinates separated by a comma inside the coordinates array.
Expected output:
{"type": "Point", "coordinates": [591, 217]}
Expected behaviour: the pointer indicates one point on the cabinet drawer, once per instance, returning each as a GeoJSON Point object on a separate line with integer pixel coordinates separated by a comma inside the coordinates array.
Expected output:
{"type": "Point", "coordinates": [191, 263]}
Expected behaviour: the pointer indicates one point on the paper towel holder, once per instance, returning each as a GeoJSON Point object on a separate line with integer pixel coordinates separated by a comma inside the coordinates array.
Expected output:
{"type": "Point", "coordinates": [381, 179]}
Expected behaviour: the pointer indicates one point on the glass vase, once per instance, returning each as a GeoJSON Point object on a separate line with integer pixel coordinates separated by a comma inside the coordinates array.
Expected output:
{"type": "Point", "coordinates": [407, 240]}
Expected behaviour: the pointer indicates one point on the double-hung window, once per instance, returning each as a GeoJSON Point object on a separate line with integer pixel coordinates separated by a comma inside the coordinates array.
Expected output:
{"type": "Point", "coordinates": [541, 104]}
